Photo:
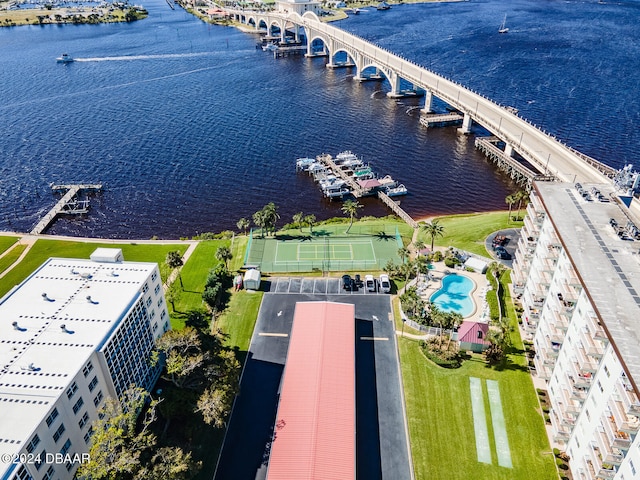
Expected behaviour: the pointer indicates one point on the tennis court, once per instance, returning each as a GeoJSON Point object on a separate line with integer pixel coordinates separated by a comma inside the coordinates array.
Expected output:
{"type": "Point", "coordinates": [324, 253]}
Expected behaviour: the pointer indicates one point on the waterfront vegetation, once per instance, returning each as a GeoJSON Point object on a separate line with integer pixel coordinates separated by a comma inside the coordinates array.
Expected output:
{"type": "Point", "coordinates": [45, 248]}
{"type": "Point", "coordinates": [48, 14]}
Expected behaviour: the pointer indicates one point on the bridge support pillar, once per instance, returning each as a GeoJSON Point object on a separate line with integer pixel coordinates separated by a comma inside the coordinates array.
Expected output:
{"type": "Point", "coordinates": [466, 124]}
{"type": "Point", "coordinates": [428, 102]}
{"type": "Point", "coordinates": [394, 80]}
{"type": "Point", "coordinates": [508, 150]}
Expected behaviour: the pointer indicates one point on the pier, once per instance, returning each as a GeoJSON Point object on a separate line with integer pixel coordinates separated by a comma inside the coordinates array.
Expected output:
{"type": "Point", "coordinates": [438, 119]}
{"type": "Point", "coordinates": [519, 173]}
{"type": "Point", "coordinates": [68, 204]}
{"type": "Point", "coordinates": [356, 190]}
{"type": "Point", "coordinates": [388, 201]}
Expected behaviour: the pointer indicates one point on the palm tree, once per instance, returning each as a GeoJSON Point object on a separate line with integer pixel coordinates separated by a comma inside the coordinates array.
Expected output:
{"type": "Point", "coordinates": [243, 224]}
{"type": "Point", "coordinates": [350, 208]}
{"type": "Point", "coordinates": [223, 254]}
{"type": "Point", "coordinates": [510, 199]}
{"type": "Point", "coordinates": [403, 253]}
{"type": "Point", "coordinates": [259, 220]}
{"type": "Point", "coordinates": [419, 245]}
{"type": "Point", "coordinates": [433, 229]}
{"type": "Point", "coordinates": [310, 220]}
{"type": "Point", "coordinates": [298, 218]}
{"type": "Point", "coordinates": [174, 260]}
{"type": "Point", "coordinates": [271, 216]}
{"type": "Point", "coordinates": [521, 196]}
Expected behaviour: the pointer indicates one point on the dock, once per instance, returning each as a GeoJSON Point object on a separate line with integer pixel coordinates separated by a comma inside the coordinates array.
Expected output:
{"type": "Point", "coordinates": [68, 204]}
{"type": "Point", "coordinates": [388, 201]}
{"type": "Point", "coordinates": [440, 119]}
{"type": "Point", "coordinates": [356, 190]}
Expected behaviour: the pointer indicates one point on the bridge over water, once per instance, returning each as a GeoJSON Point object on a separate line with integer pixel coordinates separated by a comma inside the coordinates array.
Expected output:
{"type": "Point", "coordinates": [550, 156]}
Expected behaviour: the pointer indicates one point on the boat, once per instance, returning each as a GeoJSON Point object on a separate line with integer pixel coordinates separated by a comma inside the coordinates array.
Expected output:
{"type": "Point", "coordinates": [345, 156]}
{"type": "Point", "coordinates": [270, 47]}
{"type": "Point", "coordinates": [303, 164]}
{"type": "Point", "coordinates": [383, 6]}
{"type": "Point", "coordinates": [356, 11]}
{"type": "Point", "coordinates": [64, 58]}
{"type": "Point", "coordinates": [503, 26]}
{"type": "Point", "coordinates": [397, 191]}
{"type": "Point", "coordinates": [387, 182]}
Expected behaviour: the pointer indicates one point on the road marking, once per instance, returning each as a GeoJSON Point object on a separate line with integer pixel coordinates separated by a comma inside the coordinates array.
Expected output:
{"type": "Point", "coordinates": [375, 318]}
{"type": "Point", "coordinates": [483, 449]}
{"type": "Point", "coordinates": [280, 313]}
{"type": "Point", "coordinates": [266, 334]}
{"type": "Point", "coordinates": [374, 338]}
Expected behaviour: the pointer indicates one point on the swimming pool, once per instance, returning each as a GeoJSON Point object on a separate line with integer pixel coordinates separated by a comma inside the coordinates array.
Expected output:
{"type": "Point", "coordinates": [455, 295]}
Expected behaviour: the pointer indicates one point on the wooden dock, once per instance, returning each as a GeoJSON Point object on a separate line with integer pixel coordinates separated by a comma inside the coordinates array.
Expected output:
{"type": "Point", "coordinates": [356, 189]}
{"type": "Point", "coordinates": [435, 119]}
{"type": "Point", "coordinates": [388, 201]}
{"type": "Point", "coordinates": [68, 204]}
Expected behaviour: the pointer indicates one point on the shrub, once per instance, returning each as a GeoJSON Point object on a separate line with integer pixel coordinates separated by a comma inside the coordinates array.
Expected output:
{"type": "Point", "coordinates": [541, 392]}
{"type": "Point", "coordinates": [556, 452]}
{"type": "Point", "coordinates": [451, 262]}
{"type": "Point", "coordinates": [437, 256]}
{"type": "Point", "coordinates": [442, 352]}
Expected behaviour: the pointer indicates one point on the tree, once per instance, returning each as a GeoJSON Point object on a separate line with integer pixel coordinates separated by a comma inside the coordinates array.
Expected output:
{"type": "Point", "coordinates": [403, 253]}
{"type": "Point", "coordinates": [419, 245]}
{"type": "Point", "coordinates": [260, 221]}
{"type": "Point", "coordinates": [298, 218]}
{"type": "Point", "coordinates": [510, 200]}
{"type": "Point", "coordinates": [215, 293]}
{"type": "Point", "coordinates": [183, 357]}
{"type": "Point", "coordinates": [521, 196]}
{"type": "Point", "coordinates": [170, 463]}
{"type": "Point", "coordinates": [243, 224]}
{"type": "Point", "coordinates": [223, 254]}
{"type": "Point", "coordinates": [350, 208]}
{"type": "Point", "coordinates": [433, 229]}
{"type": "Point", "coordinates": [310, 220]}
{"type": "Point", "coordinates": [172, 295]}
{"type": "Point", "coordinates": [270, 216]}
{"type": "Point", "coordinates": [174, 261]}
{"type": "Point", "coordinates": [215, 405]}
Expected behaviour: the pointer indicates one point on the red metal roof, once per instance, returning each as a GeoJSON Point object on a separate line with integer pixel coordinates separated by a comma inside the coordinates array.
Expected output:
{"type": "Point", "coordinates": [315, 427]}
{"type": "Point", "coordinates": [468, 332]}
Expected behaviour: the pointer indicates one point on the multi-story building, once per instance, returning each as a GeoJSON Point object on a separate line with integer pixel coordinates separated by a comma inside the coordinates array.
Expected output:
{"type": "Point", "coordinates": [73, 333]}
{"type": "Point", "coordinates": [577, 274]}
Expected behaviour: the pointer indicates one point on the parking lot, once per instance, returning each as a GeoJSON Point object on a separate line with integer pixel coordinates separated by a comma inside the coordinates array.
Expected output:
{"type": "Point", "coordinates": [315, 286]}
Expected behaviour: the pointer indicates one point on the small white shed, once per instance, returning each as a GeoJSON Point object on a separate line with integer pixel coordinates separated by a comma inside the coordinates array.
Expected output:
{"type": "Point", "coordinates": [476, 264]}
{"type": "Point", "coordinates": [252, 279]}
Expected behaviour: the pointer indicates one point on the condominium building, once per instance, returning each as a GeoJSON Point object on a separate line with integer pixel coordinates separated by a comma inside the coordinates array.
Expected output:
{"type": "Point", "coordinates": [577, 274]}
{"type": "Point", "coordinates": [72, 334]}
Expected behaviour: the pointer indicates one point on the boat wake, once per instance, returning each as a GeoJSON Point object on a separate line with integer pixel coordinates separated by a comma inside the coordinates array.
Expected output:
{"type": "Point", "coordinates": [125, 58]}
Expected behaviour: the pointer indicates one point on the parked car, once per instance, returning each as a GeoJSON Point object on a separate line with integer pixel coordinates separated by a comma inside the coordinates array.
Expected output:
{"type": "Point", "coordinates": [385, 284]}
{"type": "Point", "coordinates": [370, 283]}
{"type": "Point", "coordinates": [358, 280]}
{"type": "Point", "coordinates": [347, 282]}
{"type": "Point", "coordinates": [502, 253]}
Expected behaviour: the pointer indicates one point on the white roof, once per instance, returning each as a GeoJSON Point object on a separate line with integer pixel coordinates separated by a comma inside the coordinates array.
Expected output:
{"type": "Point", "coordinates": [252, 274]}
{"type": "Point", "coordinates": [476, 264]}
{"type": "Point", "coordinates": [38, 358]}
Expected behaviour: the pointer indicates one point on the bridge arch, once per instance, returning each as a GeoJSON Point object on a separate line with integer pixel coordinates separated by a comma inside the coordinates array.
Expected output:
{"type": "Point", "coordinates": [251, 21]}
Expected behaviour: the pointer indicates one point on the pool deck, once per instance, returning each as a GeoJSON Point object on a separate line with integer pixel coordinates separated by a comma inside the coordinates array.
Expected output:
{"type": "Point", "coordinates": [434, 283]}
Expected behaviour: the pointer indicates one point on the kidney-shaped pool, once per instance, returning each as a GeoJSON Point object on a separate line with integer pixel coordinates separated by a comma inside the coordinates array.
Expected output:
{"type": "Point", "coordinates": [455, 295]}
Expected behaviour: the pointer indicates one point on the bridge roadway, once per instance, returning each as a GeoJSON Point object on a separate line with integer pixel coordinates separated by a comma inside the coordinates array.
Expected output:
{"type": "Point", "coordinates": [542, 150]}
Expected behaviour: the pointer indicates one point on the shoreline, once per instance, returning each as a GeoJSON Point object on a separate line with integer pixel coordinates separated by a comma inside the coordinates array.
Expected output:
{"type": "Point", "coordinates": [75, 15]}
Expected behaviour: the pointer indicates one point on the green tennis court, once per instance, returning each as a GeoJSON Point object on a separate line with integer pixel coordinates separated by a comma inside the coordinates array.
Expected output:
{"type": "Point", "coordinates": [325, 253]}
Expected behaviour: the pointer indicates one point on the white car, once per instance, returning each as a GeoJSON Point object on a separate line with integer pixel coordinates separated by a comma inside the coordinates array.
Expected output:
{"type": "Point", "coordinates": [370, 283]}
{"type": "Point", "coordinates": [385, 284]}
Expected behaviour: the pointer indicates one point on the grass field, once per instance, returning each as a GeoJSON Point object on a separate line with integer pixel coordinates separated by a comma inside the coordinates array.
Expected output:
{"type": "Point", "coordinates": [43, 249]}
{"type": "Point", "coordinates": [468, 232]}
{"type": "Point", "coordinates": [440, 421]}
{"type": "Point", "coordinates": [6, 242]}
{"type": "Point", "coordinates": [10, 258]}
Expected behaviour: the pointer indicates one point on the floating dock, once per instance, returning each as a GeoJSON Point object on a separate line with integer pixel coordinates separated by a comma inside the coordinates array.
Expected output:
{"type": "Point", "coordinates": [441, 119]}
{"type": "Point", "coordinates": [68, 204]}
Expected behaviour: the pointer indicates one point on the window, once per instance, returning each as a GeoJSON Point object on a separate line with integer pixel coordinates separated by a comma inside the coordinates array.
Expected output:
{"type": "Point", "coordinates": [31, 446]}
{"type": "Point", "coordinates": [154, 275]}
{"type": "Point", "coordinates": [87, 436]}
{"type": "Point", "coordinates": [632, 467]}
{"type": "Point", "coordinates": [71, 391]}
{"type": "Point", "coordinates": [93, 383]}
{"type": "Point", "coordinates": [155, 327]}
{"type": "Point", "coordinates": [98, 398]}
{"type": "Point", "coordinates": [22, 474]}
{"type": "Point", "coordinates": [78, 405]}
{"type": "Point", "coordinates": [149, 301]}
{"type": "Point", "coordinates": [163, 314]}
{"type": "Point", "coordinates": [145, 288]}
{"type": "Point", "coordinates": [59, 432]}
{"type": "Point", "coordinates": [600, 387]}
{"type": "Point", "coordinates": [49, 474]}
{"type": "Point", "coordinates": [65, 448]}
{"type": "Point", "coordinates": [38, 463]}
{"type": "Point", "coordinates": [586, 412]}
{"type": "Point", "coordinates": [87, 368]}
{"type": "Point", "coordinates": [153, 314]}
{"type": "Point", "coordinates": [606, 370]}
{"type": "Point", "coordinates": [52, 416]}
{"type": "Point", "coordinates": [68, 466]}
{"type": "Point", "coordinates": [159, 302]}
{"type": "Point", "coordinates": [157, 289]}
{"type": "Point", "coordinates": [479, 333]}
{"type": "Point", "coordinates": [83, 421]}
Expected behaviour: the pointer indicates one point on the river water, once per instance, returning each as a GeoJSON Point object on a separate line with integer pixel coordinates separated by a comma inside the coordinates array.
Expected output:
{"type": "Point", "coordinates": [190, 127]}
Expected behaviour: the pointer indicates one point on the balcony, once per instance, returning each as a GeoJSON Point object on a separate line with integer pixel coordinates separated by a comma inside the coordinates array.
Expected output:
{"type": "Point", "coordinates": [584, 363]}
{"type": "Point", "coordinates": [615, 437]}
{"type": "Point", "coordinates": [560, 432]}
{"type": "Point", "coordinates": [624, 423]}
{"type": "Point", "coordinates": [591, 347]}
{"type": "Point", "coordinates": [542, 371]}
{"type": "Point", "coordinates": [535, 205]}
{"type": "Point", "coordinates": [627, 396]}
{"type": "Point", "coordinates": [580, 378]}
{"type": "Point", "coordinates": [595, 329]}
{"type": "Point", "coordinates": [560, 320]}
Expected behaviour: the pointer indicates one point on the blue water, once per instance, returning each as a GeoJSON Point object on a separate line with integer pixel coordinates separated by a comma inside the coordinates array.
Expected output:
{"type": "Point", "coordinates": [190, 127]}
{"type": "Point", "coordinates": [455, 295]}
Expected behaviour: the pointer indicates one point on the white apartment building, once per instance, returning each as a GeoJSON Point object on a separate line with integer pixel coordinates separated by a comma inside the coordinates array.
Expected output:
{"type": "Point", "coordinates": [73, 333]}
{"type": "Point", "coordinates": [298, 6]}
{"type": "Point", "coordinates": [577, 272]}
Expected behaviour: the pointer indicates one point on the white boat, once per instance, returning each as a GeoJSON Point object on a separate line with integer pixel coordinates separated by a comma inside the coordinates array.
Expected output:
{"type": "Point", "coordinates": [336, 191]}
{"type": "Point", "coordinates": [346, 156]}
{"type": "Point", "coordinates": [397, 191]}
{"type": "Point", "coordinates": [387, 182]}
{"type": "Point", "coordinates": [64, 58]}
{"type": "Point", "coordinates": [303, 164]}
{"type": "Point", "coordinates": [503, 26]}
{"type": "Point", "coordinates": [270, 47]}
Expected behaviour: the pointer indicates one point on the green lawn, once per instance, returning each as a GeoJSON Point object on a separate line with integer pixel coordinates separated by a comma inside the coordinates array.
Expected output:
{"type": "Point", "coordinates": [239, 319]}
{"type": "Point", "coordinates": [441, 423]}
{"type": "Point", "coordinates": [468, 232]}
{"type": "Point", "coordinates": [11, 257]}
{"type": "Point", "coordinates": [44, 249]}
{"type": "Point", "coordinates": [6, 242]}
